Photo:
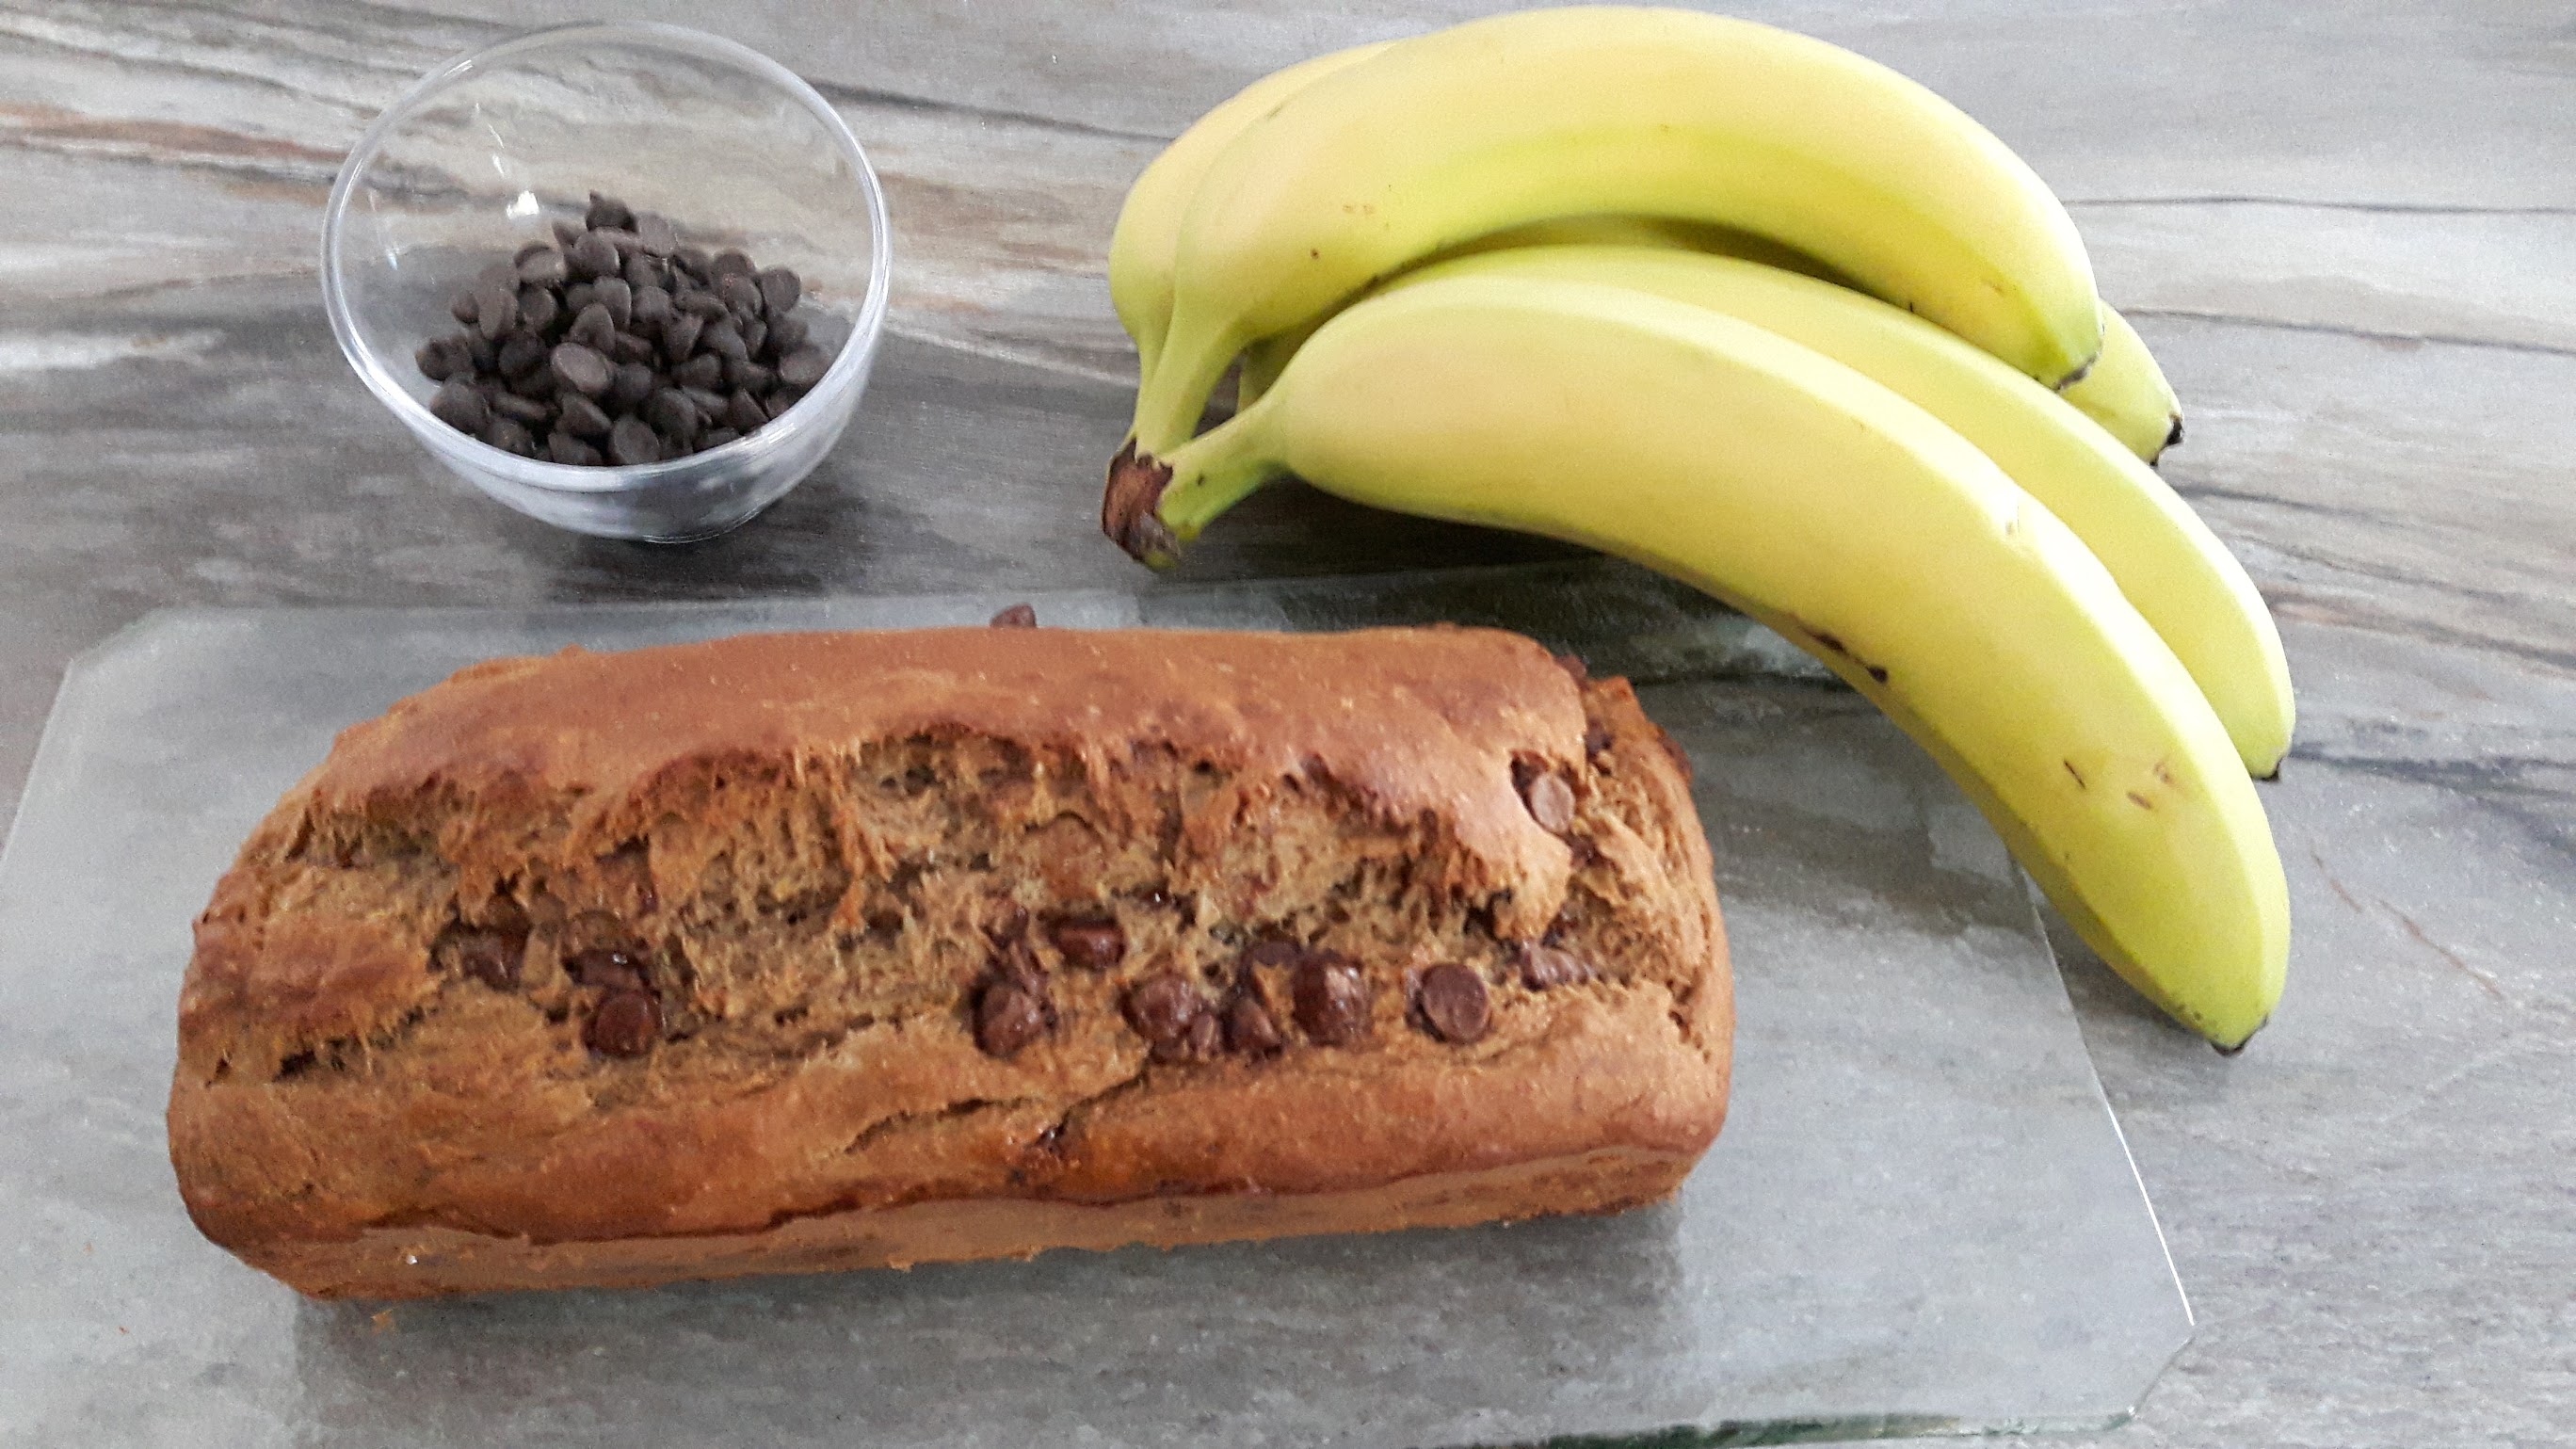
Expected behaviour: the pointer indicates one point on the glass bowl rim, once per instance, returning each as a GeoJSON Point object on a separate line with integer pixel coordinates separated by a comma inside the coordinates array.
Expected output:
{"type": "Point", "coordinates": [844, 374]}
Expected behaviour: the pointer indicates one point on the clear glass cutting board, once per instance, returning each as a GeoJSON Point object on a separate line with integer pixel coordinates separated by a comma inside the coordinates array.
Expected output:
{"type": "Point", "coordinates": [1920, 1220]}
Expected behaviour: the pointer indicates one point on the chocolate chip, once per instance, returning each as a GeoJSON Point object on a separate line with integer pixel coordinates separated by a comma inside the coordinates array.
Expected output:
{"type": "Point", "coordinates": [583, 418]}
{"type": "Point", "coordinates": [567, 232]}
{"type": "Point", "coordinates": [628, 244]}
{"type": "Point", "coordinates": [485, 356]}
{"type": "Point", "coordinates": [716, 438]}
{"type": "Point", "coordinates": [730, 263]}
{"type": "Point", "coordinates": [1025, 616]}
{"type": "Point", "coordinates": [654, 233]}
{"type": "Point", "coordinates": [538, 308]}
{"type": "Point", "coordinates": [593, 328]}
{"type": "Point", "coordinates": [780, 400]}
{"type": "Point", "coordinates": [804, 367]}
{"type": "Point", "coordinates": [704, 370]}
{"type": "Point", "coordinates": [743, 412]}
{"type": "Point", "coordinates": [1249, 1031]}
{"type": "Point", "coordinates": [578, 296]}
{"type": "Point", "coordinates": [1543, 967]}
{"type": "Point", "coordinates": [536, 382]}
{"type": "Point", "coordinates": [631, 348]}
{"type": "Point", "coordinates": [751, 377]}
{"type": "Point", "coordinates": [460, 407]}
{"type": "Point", "coordinates": [595, 256]}
{"type": "Point", "coordinates": [510, 436]}
{"type": "Point", "coordinates": [1550, 801]}
{"type": "Point", "coordinates": [779, 290]}
{"type": "Point", "coordinates": [521, 354]}
{"type": "Point", "coordinates": [740, 293]}
{"type": "Point", "coordinates": [1332, 1000]}
{"type": "Point", "coordinates": [441, 358]}
{"type": "Point", "coordinates": [701, 304]}
{"type": "Point", "coordinates": [496, 308]}
{"type": "Point", "coordinates": [619, 298]}
{"type": "Point", "coordinates": [580, 369]}
{"type": "Point", "coordinates": [627, 388]}
{"type": "Point", "coordinates": [643, 271]}
{"type": "Point", "coordinates": [680, 335]}
{"type": "Point", "coordinates": [692, 260]}
{"type": "Point", "coordinates": [564, 448]}
{"type": "Point", "coordinates": [1454, 1003]}
{"type": "Point", "coordinates": [723, 338]}
{"type": "Point", "coordinates": [786, 334]}
{"type": "Point", "coordinates": [491, 957]}
{"type": "Point", "coordinates": [631, 442]}
{"type": "Point", "coordinates": [1015, 962]}
{"type": "Point", "coordinates": [613, 967]}
{"type": "Point", "coordinates": [624, 1024]}
{"type": "Point", "coordinates": [607, 211]}
{"type": "Point", "coordinates": [1007, 1019]}
{"type": "Point", "coordinates": [755, 336]}
{"type": "Point", "coordinates": [462, 307]}
{"type": "Point", "coordinates": [711, 405]}
{"type": "Point", "coordinates": [671, 414]}
{"type": "Point", "coordinates": [1088, 942]}
{"type": "Point", "coordinates": [524, 409]}
{"type": "Point", "coordinates": [542, 266]}
{"type": "Point", "coordinates": [1203, 1041]}
{"type": "Point", "coordinates": [633, 384]}
{"type": "Point", "coordinates": [651, 308]}
{"type": "Point", "coordinates": [1161, 1007]}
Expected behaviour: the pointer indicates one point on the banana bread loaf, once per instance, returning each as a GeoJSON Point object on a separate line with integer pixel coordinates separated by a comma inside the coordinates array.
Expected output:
{"type": "Point", "coordinates": [812, 951]}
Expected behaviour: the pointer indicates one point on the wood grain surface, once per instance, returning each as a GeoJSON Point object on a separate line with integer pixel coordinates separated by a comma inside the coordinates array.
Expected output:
{"type": "Point", "coordinates": [2349, 231]}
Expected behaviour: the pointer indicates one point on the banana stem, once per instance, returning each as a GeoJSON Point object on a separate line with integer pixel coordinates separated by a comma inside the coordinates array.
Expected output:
{"type": "Point", "coordinates": [1213, 472]}
{"type": "Point", "coordinates": [1153, 506]}
{"type": "Point", "coordinates": [1174, 390]}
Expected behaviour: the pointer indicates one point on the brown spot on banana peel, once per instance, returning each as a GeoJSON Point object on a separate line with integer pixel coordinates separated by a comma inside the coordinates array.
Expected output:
{"type": "Point", "coordinates": [2078, 774]}
{"type": "Point", "coordinates": [2141, 801]}
{"type": "Point", "coordinates": [1135, 490]}
{"type": "Point", "coordinates": [1834, 642]}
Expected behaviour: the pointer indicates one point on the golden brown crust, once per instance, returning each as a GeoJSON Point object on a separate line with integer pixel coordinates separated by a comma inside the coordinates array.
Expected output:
{"type": "Point", "coordinates": [1409, 718]}
{"type": "Point", "coordinates": [347, 1094]}
{"type": "Point", "coordinates": [423, 1261]}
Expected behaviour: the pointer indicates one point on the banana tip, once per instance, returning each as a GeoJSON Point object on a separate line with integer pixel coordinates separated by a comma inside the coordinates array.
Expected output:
{"type": "Point", "coordinates": [2226, 1049]}
{"type": "Point", "coordinates": [1136, 484]}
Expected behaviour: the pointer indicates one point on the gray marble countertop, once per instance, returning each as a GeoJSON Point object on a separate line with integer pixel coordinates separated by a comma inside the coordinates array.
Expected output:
{"type": "Point", "coordinates": [2349, 231]}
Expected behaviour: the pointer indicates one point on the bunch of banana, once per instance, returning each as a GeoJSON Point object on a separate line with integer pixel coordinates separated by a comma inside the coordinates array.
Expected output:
{"type": "Point", "coordinates": [1774, 320]}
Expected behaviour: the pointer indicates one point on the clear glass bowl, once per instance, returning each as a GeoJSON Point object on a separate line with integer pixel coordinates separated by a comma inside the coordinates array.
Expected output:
{"type": "Point", "coordinates": [487, 151]}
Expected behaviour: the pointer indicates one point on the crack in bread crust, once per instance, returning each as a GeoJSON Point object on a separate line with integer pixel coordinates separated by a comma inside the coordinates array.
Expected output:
{"type": "Point", "coordinates": [394, 1018]}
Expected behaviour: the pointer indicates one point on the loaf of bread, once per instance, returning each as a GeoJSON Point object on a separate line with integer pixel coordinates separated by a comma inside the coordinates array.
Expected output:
{"type": "Point", "coordinates": [812, 951]}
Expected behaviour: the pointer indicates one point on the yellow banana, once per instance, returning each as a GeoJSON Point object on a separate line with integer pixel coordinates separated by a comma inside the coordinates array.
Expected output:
{"type": "Point", "coordinates": [1263, 359]}
{"type": "Point", "coordinates": [1540, 114]}
{"type": "Point", "coordinates": [2127, 393]}
{"type": "Point", "coordinates": [1141, 246]}
{"type": "Point", "coordinates": [2165, 559]}
{"type": "Point", "coordinates": [1833, 510]}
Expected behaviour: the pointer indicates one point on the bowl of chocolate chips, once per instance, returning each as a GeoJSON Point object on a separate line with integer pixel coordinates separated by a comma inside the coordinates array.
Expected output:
{"type": "Point", "coordinates": [625, 278]}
